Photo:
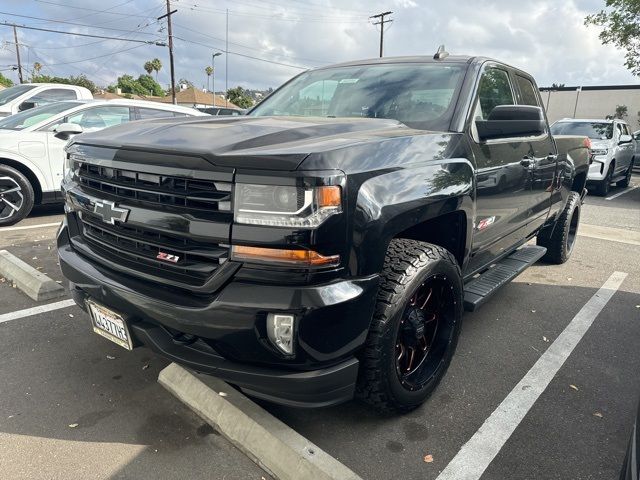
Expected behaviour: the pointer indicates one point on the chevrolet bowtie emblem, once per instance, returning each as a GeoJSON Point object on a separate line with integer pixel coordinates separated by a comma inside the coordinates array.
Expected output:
{"type": "Point", "coordinates": [109, 212]}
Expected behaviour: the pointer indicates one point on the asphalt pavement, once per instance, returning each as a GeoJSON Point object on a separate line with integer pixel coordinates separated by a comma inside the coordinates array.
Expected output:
{"type": "Point", "coordinates": [75, 406]}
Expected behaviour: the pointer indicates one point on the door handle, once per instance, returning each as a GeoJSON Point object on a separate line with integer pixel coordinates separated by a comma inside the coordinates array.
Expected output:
{"type": "Point", "coordinates": [552, 157]}
{"type": "Point", "coordinates": [528, 162]}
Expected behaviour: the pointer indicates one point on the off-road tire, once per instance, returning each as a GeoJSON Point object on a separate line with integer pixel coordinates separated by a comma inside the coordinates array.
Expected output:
{"type": "Point", "coordinates": [559, 239]}
{"type": "Point", "coordinates": [26, 189]}
{"type": "Point", "coordinates": [603, 187]}
{"type": "Point", "coordinates": [627, 179]}
{"type": "Point", "coordinates": [408, 264]}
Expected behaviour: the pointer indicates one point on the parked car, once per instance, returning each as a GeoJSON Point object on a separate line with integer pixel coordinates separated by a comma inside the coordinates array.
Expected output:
{"type": "Point", "coordinates": [32, 146]}
{"type": "Point", "coordinates": [325, 244]}
{"type": "Point", "coordinates": [636, 154]}
{"type": "Point", "coordinates": [613, 150]}
{"type": "Point", "coordinates": [29, 95]}
{"type": "Point", "coordinates": [221, 111]}
{"type": "Point", "coordinates": [631, 465]}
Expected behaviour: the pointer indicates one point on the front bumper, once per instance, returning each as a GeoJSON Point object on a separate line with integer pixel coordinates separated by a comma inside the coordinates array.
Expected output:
{"type": "Point", "coordinates": [224, 335]}
{"type": "Point", "coordinates": [598, 169]}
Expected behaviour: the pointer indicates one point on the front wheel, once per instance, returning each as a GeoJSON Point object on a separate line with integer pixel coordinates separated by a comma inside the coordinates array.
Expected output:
{"type": "Point", "coordinates": [415, 328]}
{"type": "Point", "coordinates": [16, 196]}
{"type": "Point", "coordinates": [559, 239]}
{"type": "Point", "coordinates": [603, 187]}
{"type": "Point", "coordinates": [627, 178]}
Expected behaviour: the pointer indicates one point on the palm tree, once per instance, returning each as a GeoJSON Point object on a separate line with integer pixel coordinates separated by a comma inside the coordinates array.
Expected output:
{"type": "Point", "coordinates": [209, 71]}
{"type": "Point", "coordinates": [157, 65]}
{"type": "Point", "coordinates": [36, 70]}
{"type": "Point", "coordinates": [148, 66]}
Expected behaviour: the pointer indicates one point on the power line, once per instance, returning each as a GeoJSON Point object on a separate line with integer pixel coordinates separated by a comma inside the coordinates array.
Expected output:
{"type": "Point", "coordinates": [275, 18]}
{"type": "Point", "coordinates": [70, 23]}
{"type": "Point", "coordinates": [148, 42]}
{"type": "Point", "coordinates": [313, 12]}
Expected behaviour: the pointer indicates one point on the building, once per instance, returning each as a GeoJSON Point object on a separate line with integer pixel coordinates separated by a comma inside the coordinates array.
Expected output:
{"type": "Point", "coordinates": [592, 102]}
{"type": "Point", "coordinates": [196, 98]}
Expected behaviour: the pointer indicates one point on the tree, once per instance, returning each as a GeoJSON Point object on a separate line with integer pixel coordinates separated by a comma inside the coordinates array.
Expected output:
{"type": "Point", "coordinates": [148, 66]}
{"type": "Point", "coordinates": [621, 112]}
{"type": "Point", "coordinates": [557, 85]}
{"type": "Point", "coordinates": [620, 21]}
{"type": "Point", "coordinates": [208, 70]}
{"type": "Point", "coordinates": [184, 81]}
{"type": "Point", "coordinates": [5, 82]}
{"type": "Point", "coordinates": [80, 80]}
{"type": "Point", "coordinates": [150, 86]}
{"type": "Point", "coordinates": [157, 65]}
{"type": "Point", "coordinates": [37, 67]}
{"type": "Point", "coordinates": [144, 85]}
{"type": "Point", "coordinates": [239, 97]}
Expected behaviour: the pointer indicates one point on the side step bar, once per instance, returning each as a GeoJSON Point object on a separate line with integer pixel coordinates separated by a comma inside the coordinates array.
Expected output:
{"type": "Point", "coordinates": [481, 288]}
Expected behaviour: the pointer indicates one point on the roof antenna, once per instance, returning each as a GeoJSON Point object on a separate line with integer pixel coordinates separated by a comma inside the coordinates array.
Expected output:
{"type": "Point", "coordinates": [441, 54]}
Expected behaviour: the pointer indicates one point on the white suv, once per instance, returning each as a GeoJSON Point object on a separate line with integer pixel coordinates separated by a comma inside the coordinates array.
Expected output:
{"type": "Point", "coordinates": [612, 146]}
{"type": "Point", "coordinates": [28, 95]}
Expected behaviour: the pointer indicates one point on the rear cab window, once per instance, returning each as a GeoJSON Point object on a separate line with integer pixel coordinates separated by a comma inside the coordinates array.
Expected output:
{"type": "Point", "coordinates": [527, 91]}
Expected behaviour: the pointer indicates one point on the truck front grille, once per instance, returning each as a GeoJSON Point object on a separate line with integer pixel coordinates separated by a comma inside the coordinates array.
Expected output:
{"type": "Point", "coordinates": [149, 188]}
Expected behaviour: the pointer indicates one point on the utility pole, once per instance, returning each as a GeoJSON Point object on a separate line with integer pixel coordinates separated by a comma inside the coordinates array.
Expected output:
{"type": "Point", "coordinates": [226, 66]}
{"type": "Point", "coordinates": [170, 33]}
{"type": "Point", "coordinates": [213, 75]}
{"type": "Point", "coordinates": [381, 23]}
{"type": "Point", "coordinates": [15, 37]}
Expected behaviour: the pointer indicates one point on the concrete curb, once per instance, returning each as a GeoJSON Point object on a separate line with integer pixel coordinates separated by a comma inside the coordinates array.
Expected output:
{"type": "Point", "coordinates": [278, 449]}
{"type": "Point", "coordinates": [35, 284]}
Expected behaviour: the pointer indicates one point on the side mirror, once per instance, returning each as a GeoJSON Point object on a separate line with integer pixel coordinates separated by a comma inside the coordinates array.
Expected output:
{"type": "Point", "coordinates": [625, 139]}
{"type": "Point", "coordinates": [27, 106]}
{"type": "Point", "coordinates": [507, 121]}
{"type": "Point", "coordinates": [65, 130]}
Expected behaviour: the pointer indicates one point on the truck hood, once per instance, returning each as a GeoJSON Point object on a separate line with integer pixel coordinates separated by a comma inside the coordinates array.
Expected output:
{"type": "Point", "coordinates": [271, 143]}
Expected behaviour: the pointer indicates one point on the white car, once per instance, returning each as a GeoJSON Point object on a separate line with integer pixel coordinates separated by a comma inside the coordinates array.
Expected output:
{"type": "Point", "coordinates": [32, 146]}
{"type": "Point", "coordinates": [612, 148]}
{"type": "Point", "coordinates": [29, 95]}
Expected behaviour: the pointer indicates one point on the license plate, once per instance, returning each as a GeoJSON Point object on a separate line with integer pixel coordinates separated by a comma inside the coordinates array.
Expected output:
{"type": "Point", "coordinates": [110, 325]}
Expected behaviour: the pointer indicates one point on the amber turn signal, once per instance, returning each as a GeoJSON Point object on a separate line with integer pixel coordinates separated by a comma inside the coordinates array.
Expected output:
{"type": "Point", "coordinates": [329, 196]}
{"type": "Point", "coordinates": [303, 258]}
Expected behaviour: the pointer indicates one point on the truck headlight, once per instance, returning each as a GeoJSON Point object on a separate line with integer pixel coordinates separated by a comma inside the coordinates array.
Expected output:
{"type": "Point", "coordinates": [285, 206]}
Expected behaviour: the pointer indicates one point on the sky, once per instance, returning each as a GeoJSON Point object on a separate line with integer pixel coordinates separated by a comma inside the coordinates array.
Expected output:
{"type": "Point", "coordinates": [272, 40]}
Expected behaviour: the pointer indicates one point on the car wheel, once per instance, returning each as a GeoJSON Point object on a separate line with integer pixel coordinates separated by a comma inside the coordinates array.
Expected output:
{"type": "Point", "coordinates": [16, 196]}
{"type": "Point", "coordinates": [415, 328]}
{"type": "Point", "coordinates": [605, 185]}
{"type": "Point", "coordinates": [560, 239]}
{"type": "Point", "coordinates": [627, 178]}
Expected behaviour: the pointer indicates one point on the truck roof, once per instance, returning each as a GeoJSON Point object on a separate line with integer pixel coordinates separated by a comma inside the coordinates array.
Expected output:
{"type": "Point", "coordinates": [412, 59]}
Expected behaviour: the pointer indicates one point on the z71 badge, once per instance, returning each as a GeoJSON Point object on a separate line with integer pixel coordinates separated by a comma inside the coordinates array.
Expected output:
{"type": "Point", "coordinates": [167, 257]}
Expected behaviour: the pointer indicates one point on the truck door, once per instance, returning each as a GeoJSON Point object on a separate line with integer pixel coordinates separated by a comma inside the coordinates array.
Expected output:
{"type": "Point", "coordinates": [543, 161]}
{"type": "Point", "coordinates": [504, 172]}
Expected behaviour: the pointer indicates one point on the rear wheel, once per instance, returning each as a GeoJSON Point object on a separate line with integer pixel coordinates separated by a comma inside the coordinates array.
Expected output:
{"type": "Point", "coordinates": [415, 328]}
{"type": "Point", "coordinates": [560, 239]}
{"type": "Point", "coordinates": [16, 196]}
{"type": "Point", "coordinates": [627, 178]}
{"type": "Point", "coordinates": [603, 187]}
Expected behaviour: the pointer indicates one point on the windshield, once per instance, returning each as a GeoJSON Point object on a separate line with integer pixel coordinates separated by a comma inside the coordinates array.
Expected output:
{"type": "Point", "coordinates": [595, 131]}
{"type": "Point", "coordinates": [10, 93]}
{"type": "Point", "coordinates": [418, 95]}
{"type": "Point", "coordinates": [30, 117]}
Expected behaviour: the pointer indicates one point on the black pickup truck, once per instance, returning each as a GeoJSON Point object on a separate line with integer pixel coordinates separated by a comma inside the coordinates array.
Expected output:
{"type": "Point", "coordinates": [326, 244]}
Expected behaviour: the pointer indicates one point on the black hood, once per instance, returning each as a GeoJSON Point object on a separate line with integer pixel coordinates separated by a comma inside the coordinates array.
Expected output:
{"type": "Point", "coordinates": [272, 143]}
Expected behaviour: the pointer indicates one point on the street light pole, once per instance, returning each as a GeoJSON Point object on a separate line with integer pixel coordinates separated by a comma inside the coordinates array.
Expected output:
{"type": "Point", "coordinates": [213, 76]}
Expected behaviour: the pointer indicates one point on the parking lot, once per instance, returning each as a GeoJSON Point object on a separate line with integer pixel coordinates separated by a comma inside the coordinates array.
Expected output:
{"type": "Point", "coordinates": [73, 405]}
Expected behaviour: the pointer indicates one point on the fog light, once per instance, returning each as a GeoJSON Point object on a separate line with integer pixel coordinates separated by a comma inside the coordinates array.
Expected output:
{"type": "Point", "coordinates": [280, 331]}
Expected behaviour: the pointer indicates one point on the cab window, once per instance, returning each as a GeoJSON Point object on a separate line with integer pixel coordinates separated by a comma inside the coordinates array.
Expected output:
{"type": "Point", "coordinates": [528, 94]}
{"type": "Point", "coordinates": [53, 95]}
{"type": "Point", "coordinates": [494, 89]}
{"type": "Point", "coordinates": [97, 118]}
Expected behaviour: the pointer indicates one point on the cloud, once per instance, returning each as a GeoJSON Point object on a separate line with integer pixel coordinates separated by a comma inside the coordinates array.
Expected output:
{"type": "Point", "coordinates": [546, 38]}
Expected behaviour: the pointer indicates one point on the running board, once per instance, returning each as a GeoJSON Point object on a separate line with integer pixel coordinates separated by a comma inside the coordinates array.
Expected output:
{"type": "Point", "coordinates": [481, 288]}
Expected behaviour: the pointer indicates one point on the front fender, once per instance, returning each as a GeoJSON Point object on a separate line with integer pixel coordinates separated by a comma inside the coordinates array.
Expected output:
{"type": "Point", "coordinates": [33, 167]}
{"type": "Point", "coordinates": [396, 200]}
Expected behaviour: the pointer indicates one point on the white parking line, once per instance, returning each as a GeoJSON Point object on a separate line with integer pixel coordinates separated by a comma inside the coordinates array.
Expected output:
{"type": "Point", "coordinates": [476, 455]}
{"type": "Point", "coordinates": [621, 193]}
{"type": "Point", "coordinates": [27, 312]}
{"type": "Point", "coordinates": [28, 227]}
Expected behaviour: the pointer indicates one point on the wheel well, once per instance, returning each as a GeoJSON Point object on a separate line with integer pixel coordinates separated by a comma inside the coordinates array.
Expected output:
{"type": "Point", "coordinates": [37, 189]}
{"type": "Point", "coordinates": [448, 231]}
{"type": "Point", "coordinates": [579, 182]}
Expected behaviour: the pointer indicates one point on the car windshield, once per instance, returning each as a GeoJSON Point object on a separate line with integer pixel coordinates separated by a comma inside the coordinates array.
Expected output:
{"type": "Point", "coordinates": [419, 95]}
{"type": "Point", "coordinates": [30, 117]}
{"type": "Point", "coordinates": [10, 93]}
{"type": "Point", "coordinates": [595, 131]}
